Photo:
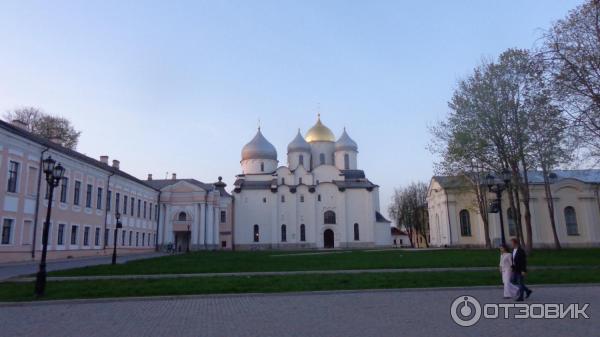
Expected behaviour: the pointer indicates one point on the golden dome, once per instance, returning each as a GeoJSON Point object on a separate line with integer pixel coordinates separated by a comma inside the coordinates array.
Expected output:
{"type": "Point", "coordinates": [319, 133]}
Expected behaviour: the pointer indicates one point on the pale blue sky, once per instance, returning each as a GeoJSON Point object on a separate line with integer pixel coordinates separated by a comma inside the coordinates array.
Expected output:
{"type": "Point", "coordinates": [179, 86]}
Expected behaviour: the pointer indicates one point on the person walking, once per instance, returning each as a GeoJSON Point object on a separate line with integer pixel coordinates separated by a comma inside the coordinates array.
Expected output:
{"type": "Point", "coordinates": [519, 268]}
{"type": "Point", "coordinates": [510, 290]}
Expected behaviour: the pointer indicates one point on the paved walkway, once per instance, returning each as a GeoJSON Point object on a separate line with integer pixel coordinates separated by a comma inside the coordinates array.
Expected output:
{"type": "Point", "coordinates": [276, 273]}
{"type": "Point", "coordinates": [12, 270]}
{"type": "Point", "coordinates": [359, 313]}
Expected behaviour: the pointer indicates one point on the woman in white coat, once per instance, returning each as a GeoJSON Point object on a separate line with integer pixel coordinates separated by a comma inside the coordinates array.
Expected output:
{"type": "Point", "coordinates": [510, 290]}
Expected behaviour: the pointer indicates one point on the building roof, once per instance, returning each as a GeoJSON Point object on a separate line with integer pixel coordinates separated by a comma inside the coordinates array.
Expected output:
{"type": "Point", "coordinates": [591, 176]}
{"type": "Point", "coordinates": [68, 152]}
{"type": "Point", "coordinates": [319, 133]}
{"type": "Point", "coordinates": [259, 148]}
{"type": "Point", "coordinates": [345, 143]}
{"type": "Point", "coordinates": [380, 218]}
{"type": "Point", "coordinates": [159, 184]}
{"type": "Point", "coordinates": [298, 144]}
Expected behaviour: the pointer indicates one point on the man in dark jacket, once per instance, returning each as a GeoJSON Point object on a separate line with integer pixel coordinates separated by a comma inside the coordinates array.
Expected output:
{"type": "Point", "coordinates": [519, 268]}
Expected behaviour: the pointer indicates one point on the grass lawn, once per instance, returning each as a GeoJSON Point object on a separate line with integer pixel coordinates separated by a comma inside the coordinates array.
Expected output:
{"type": "Point", "coordinates": [270, 284]}
{"type": "Point", "coordinates": [247, 261]}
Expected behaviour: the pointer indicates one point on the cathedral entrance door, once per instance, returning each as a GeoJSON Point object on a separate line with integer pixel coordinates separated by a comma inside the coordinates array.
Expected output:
{"type": "Point", "coordinates": [328, 238]}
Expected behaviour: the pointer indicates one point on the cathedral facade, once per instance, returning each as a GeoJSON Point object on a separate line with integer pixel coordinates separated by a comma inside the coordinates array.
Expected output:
{"type": "Point", "coordinates": [321, 199]}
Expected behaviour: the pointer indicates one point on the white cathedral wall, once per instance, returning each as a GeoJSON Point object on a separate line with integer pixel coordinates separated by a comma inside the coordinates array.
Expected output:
{"type": "Point", "coordinates": [340, 162]}
{"type": "Point", "coordinates": [327, 148]}
{"type": "Point", "coordinates": [294, 160]}
{"type": "Point", "coordinates": [253, 166]}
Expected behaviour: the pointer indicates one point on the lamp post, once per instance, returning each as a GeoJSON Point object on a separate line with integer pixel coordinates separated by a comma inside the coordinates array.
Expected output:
{"type": "Point", "coordinates": [54, 173]}
{"type": "Point", "coordinates": [118, 225]}
{"type": "Point", "coordinates": [498, 187]}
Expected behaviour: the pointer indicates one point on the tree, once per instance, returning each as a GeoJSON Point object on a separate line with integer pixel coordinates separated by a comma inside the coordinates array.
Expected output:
{"type": "Point", "coordinates": [572, 51]}
{"type": "Point", "coordinates": [407, 209]}
{"type": "Point", "coordinates": [55, 128]}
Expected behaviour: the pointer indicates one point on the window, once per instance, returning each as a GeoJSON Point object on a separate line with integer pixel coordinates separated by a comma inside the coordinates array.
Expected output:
{"type": "Point", "coordinates": [301, 198]}
{"type": "Point", "coordinates": [106, 236]}
{"type": "Point", "coordinates": [124, 204]}
{"type": "Point", "coordinates": [108, 200]}
{"type": "Point", "coordinates": [150, 212]}
{"type": "Point", "coordinates": [64, 188]}
{"type": "Point", "coordinates": [571, 221]}
{"type": "Point", "coordinates": [300, 181]}
{"type": "Point", "coordinates": [27, 232]}
{"type": "Point", "coordinates": [97, 237]}
{"type": "Point", "coordinates": [182, 216]}
{"type": "Point", "coordinates": [156, 212]}
{"type": "Point", "coordinates": [283, 198]}
{"type": "Point", "coordinates": [117, 201]}
{"type": "Point", "coordinates": [123, 234]}
{"type": "Point", "coordinates": [223, 216]}
{"type": "Point", "coordinates": [143, 238]}
{"type": "Point", "coordinates": [13, 177]}
{"type": "Point", "coordinates": [130, 237]}
{"type": "Point", "coordinates": [145, 207]}
{"type": "Point", "coordinates": [322, 159]}
{"type": "Point", "coordinates": [99, 198]}
{"type": "Point", "coordinates": [465, 223]}
{"type": "Point", "coordinates": [88, 196]}
{"type": "Point", "coordinates": [7, 225]}
{"type": "Point", "coordinates": [301, 160]}
{"type": "Point", "coordinates": [223, 244]}
{"type": "Point", "coordinates": [282, 181]}
{"type": "Point", "coordinates": [139, 208]}
{"type": "Point", "coordinates": [77, 193]}
{"type": "Point", "coordinates": [132, 206]}
{"type": "Point", "coordinates": [283, 233]}
{"type": "Point", "coordinates": [512, 224]}
{"type": "Point", "coordinates": [302, 233]}
{"type": "Point", "coordinates": [329, 218]}
{"type": "Point", "coordinates": [346, 161]}
{"type": "Point", "coordinates": [86, 236]}
{"type": "Point", "coordinates": [356, 233]}
{"type": "Point", "coordinates": [319, 197]}
{"type": "Point", "coordinates": [256, 234]}
{"type": "Point", "coordinates": [32, 181]}
{"type": "Point", "coordinates": [264, 200]}
{"type": "Point", "coordinates": [60, 240]}
{"type": "Point", "coordinates": [73, 235]}
{"type": "Point", "coordinates": [262, 167]}
{"type": "Point", "coordinates": [137, 238]}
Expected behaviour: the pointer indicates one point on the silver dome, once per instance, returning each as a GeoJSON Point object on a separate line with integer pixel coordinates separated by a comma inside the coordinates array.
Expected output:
{"type": "Point", "coordinates": [345, 143]}
{"type": "Point", "coordinates": [299, 144]}
{"type": "Point", "coordinates": [259, 148]}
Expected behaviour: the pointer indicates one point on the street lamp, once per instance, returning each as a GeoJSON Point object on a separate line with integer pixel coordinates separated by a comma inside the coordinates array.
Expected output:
{"type": "Point", "coordinates": [498, 186]}
{"type": "Point", "coordinates": [54, 173]}
{"type": "Point", "coordinates": [118, 225]}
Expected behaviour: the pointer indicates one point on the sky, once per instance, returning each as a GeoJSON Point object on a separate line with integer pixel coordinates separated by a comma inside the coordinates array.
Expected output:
{"type": "Point", "coordinates": [180, 86]}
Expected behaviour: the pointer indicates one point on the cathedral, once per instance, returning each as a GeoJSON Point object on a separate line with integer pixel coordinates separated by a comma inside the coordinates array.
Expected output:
{"type": "Point", "coordinates": [321, 199]}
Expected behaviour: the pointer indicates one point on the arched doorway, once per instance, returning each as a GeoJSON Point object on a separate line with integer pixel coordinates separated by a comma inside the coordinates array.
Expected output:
{"type": "Point", "coordinates": [328, 238]}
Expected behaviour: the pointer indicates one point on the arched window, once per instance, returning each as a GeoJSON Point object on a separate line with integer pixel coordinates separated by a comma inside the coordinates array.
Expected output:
{"type": "Point", "coordinates": [283, 198]}
{"type": "Point", "coordinates": [512, 223]}
{"type": "Point", "coordinates": [322, 159]}
{"type": "Point", "coordinates": [346, 161]}
{"type": "Point", "coordinates": [301, 159]}
{"type": "Point", "coordinates": [283, 233]}
{"type": "Point", "coordinates": [465, 223]}
{"type": "Point", "coordinates": [329, 218]}
{"type": "Point", "coordinates": [282, 181]}
{"type": "Point", "coordinates": [571, 221]}
{"type": "Point", "coordinates": [302, 233]}
{"type": "Point", "coordinates": [262, 167]}
{"type": "Point", "coordinates": [182, 216]}
{"type": "Point", "coordinates": [356, 233]}
{"type": "Point", "coordinates": [256, 233]}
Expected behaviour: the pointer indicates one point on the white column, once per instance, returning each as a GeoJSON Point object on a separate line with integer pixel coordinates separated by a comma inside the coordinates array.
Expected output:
{"type": "Point", "coordinates": [195, 226]}
{"type": "Point", "coordinates": [209, 224]}
{"type": "Point", "coordinates": [203, 223]}
{"type": "Point", "coordinates": [217, 221]}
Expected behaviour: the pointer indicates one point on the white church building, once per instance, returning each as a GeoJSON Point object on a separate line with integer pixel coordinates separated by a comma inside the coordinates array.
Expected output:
{"type": "Point", "coordinates": [321, 199]}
